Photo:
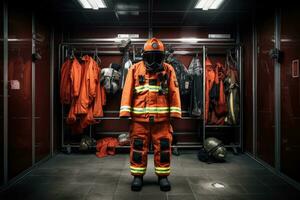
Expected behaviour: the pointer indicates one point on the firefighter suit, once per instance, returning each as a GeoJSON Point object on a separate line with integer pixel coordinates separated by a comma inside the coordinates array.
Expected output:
{"type": "Point", "coordinates": [150, 97]}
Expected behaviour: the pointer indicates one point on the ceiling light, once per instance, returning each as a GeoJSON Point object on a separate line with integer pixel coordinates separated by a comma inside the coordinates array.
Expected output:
{"type": "Point", "coordinates": [85, 4]}
{"type": "Point", "coordinates": [189, 40]}
{"type": "Point", "coordinates": [218, 185]}
{"type": "Point", "coordinates": [216, 4]}
{"type": "Point", "coordinates": [94, 4]}
{"type": "Point", "coordinates": [208, 4]}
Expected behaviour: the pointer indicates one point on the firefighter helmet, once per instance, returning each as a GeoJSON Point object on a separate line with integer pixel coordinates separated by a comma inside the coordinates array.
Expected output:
{"type": "Point", "coordinates": [215, 148]}
{"type": "Point", "coordinates": [153, 55]}
{"type": "Point", "coordinates": [86, 143]}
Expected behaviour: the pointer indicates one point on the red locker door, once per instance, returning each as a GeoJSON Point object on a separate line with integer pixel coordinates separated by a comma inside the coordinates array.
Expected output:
{"type": "Point", "coordinates": [265, 88]}
{"type": "Point", "coordinates": [19, 93]}
{"type": "Point", "coordinates": [290, 94]}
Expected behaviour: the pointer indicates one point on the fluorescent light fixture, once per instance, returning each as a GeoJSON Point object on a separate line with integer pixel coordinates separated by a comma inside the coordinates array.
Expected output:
{"type": "Point", "coordinates": [208, 4]}
{"type": "Point", "coordinates": [92, 4]}
{"type": "Point", "coordinates": [85, 4]}
{"type": "Point", "coordinates": [216, 4]}
{"type": "Point", "coordinates": [218, 185]}
{"type": "Point", "coordinates": [189, 40]}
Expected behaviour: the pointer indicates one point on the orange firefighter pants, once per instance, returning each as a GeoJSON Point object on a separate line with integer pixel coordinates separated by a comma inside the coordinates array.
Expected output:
{"type": "Point", "coordinates": [141, 133]}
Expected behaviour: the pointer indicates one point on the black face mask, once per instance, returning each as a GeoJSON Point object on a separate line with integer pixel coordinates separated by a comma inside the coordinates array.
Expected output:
{"type": "Point", "coordinates": [153, 60]}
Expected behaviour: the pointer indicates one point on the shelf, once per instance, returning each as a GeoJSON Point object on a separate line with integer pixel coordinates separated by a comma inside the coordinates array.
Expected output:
{"type": "Point", "coordinates": [221, 126]}
{"type": "Point", "coordinates": [121, 132]}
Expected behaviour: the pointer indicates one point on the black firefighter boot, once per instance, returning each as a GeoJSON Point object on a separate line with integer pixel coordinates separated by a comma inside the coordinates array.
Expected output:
{"type": "Point", "coordinates": [137, 183]}
{"type": "Point", "coordinates": [164, 183]}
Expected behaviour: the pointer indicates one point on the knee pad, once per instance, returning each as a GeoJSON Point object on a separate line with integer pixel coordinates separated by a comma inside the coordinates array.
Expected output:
{"type": "Point", "coordinates": [165, 157]}
{"type": "Point", "coordinates": [138, 144]}
{"type": "Point", "coordinates": [137, 157]}
{"type": "Point", "coordinates": [164, 144]}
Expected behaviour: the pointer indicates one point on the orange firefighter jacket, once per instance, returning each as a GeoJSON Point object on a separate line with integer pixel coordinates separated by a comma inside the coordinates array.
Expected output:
{"type": "Point", "coordinates": [150, 97]}
{"type": "Point", "coordinates": [70, 80]}
{"type": "Point", "coordinates": [88, 89]}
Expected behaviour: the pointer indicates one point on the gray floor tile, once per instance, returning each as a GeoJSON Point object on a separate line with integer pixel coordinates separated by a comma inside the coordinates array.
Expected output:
{"type": "Point", "coordinates": [181, 197]}
{"type": "Point", "coordinates": [103, 189]}
{"type": "Point", "coordinates": [154, 196]}
{"type": "Point", "coordinates": [84, 176]}
{"type": "Point", "coordinates": [127, 197]}
{"type": "Point", "coordinates": [205, 197]}
{"type": "Point", "coordinates": [97, 196]}
{"type": "Point", "coordinates": [180, 185]}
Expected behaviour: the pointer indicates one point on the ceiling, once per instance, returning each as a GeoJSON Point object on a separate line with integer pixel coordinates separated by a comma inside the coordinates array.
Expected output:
{"type": "Point", "coordinates": [144, 13]}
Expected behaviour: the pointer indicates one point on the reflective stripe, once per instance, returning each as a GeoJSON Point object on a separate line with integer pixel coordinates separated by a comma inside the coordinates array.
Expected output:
{"type": "Point", "coordinates": [151, 110]}
{"type": "Point", "coordinates": [175, 109]}
{"type": "Point", "coordinates": [151, 88]}
{"type": "Point", "coordinates": [162, 168]}
{"type": "Point", "coordinates": [163, 172]}
{"type": "Point", "coordinates": [137, 170]}
{"type": "Point", "coordinates": [125, 109]}
{"type": "Point", "coordinates": [159, 110]}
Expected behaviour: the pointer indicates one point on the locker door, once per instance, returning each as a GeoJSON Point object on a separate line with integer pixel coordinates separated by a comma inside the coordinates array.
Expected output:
{"type": "Point", "coordinates": [42, 91]}
{"type": "Point", "coordinates": [290, 94]}
{"type": "Point", "coordinates": [19, 92]}
{"type": "Point", "coordinates": [1, 96]}
{"type": "Point", "coordinates": [265, 88]}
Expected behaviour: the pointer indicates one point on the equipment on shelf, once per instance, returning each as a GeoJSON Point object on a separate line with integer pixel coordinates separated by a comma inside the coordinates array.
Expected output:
{"type": "Point", "coordinates": [124, 139]}
{"type": "Point", "coordinates": [110, 78]}
{"type": "Point", "coordinates": [87, 143]}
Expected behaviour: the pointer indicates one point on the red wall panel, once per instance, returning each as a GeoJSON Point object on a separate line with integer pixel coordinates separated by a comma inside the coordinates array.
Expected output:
{"type": "Point", "coordinates": [19, 100]}
{"type": "Point", "coordinates": [265, 88]}
{"type": "Point", "coordinates": [42, 91]}
{"type": "Point", "coordinates": [290, 95]}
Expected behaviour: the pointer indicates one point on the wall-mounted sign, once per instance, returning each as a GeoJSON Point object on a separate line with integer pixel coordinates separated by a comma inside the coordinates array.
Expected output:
{"type": "Point", "coordinates": [295, 68]}
{"type": "Point", "coordinates": [15, 84]}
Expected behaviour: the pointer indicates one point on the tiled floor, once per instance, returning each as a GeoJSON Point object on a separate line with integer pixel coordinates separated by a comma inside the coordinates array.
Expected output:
{"type": "Point", "coordinates": [88, 177]}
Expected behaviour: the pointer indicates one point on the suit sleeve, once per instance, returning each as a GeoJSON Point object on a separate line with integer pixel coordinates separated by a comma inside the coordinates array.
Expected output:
{"type": "Point", "coordinates": [76, 77]}
{"type": "Point", "coordinates": [127, 94]}
{"type": "Point", "coordinates": [174, 96]}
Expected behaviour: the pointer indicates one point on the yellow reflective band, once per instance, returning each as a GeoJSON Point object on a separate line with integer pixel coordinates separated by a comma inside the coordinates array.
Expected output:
{"type": "Point", "coordinates": [151, 88]}
{"type": "Point", "coordinates": [162, 168]}
{"type": "Point", "coordinates": [175, 109]}
{"type": "Point", "coordinates": [151, 110]}
{"type": "Point", "coordinates": [138, 168]}
{"type": "Point", "coordinates": [125, 109]}
{"type": "Point", "coordinates": [137, 172]}
{"type": "Point", "coordinates": [163, 172]}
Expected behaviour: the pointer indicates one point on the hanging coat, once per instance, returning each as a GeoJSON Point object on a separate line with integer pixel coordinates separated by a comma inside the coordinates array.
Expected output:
{"type": "Point", "coordinates": [90, 78]}
{"type": "Point", "coordinates": [70, 80]}
{"type": "Point", "coordinates": [182, 74]}
{"type": "Point", "coordinates": [232, 96]}
{"type": "Point", "coordinates": [196, 72]}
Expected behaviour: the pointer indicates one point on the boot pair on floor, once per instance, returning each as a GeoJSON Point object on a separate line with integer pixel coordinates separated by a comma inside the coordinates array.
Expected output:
{"type": "Point", "coordinates": [137, 183]}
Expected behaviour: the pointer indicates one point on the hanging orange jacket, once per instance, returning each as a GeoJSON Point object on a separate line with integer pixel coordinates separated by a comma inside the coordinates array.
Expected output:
{"type": "Point", "coordinates": [90, 78]}
{"type": "Point", "coordinates": [150, 97]}
{"type": "Point", "coordinates": [95, 109]}
{"type": "Point", "coordinates": [70, 81]}
{"type": "Point", "coordinates": [106, 146]}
